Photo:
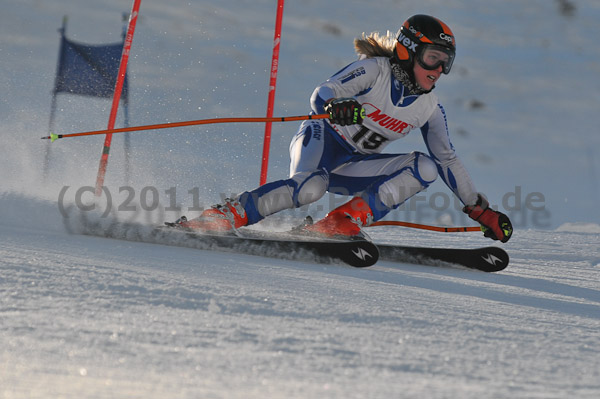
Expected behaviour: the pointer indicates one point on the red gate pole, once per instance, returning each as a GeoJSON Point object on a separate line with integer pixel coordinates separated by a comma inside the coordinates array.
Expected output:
{"type": "Point", "coordinates": [117, 95]}
{"type": "Point", "coordinates": [272, 85]}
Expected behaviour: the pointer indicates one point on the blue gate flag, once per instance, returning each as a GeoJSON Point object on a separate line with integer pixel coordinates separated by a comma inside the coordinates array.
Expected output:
{"type": "Point", "coordinates": [89, 70]}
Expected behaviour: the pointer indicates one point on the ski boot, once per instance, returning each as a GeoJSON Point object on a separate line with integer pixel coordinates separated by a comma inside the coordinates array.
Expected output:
{"type": "Point", "coordinates": [345, 220]}
{"type": "Point", "coordinates": [221, 218]}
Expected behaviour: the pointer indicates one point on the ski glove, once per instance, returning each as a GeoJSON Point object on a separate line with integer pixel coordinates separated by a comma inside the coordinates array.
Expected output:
{"type": "Point", "coordinates": [494, 224]}
{"type": "Point", "coordinates": [344, 111]}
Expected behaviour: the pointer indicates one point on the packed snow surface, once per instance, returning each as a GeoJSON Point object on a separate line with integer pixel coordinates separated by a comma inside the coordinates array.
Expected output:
{"type": "Point", "coordinates": [91, 317]}
{"type": "Point", "coordinates": [99, 318]}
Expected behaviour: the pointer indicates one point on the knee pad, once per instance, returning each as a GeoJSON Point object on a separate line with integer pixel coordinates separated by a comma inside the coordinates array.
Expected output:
{"type": "Point", "coordinates": [425, 169]}
{"type": "Point", "coordinates": [309, 186]}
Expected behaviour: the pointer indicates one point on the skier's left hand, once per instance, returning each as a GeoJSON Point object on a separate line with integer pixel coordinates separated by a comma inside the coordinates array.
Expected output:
{"type": "Point", "coordinates": [494, 224]}
{"type": "Point", "coordinates": [344, 111]}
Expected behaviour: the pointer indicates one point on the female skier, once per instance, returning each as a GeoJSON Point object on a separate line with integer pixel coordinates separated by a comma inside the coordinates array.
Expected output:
{"type": "Point", "coordinates": [377, 99]}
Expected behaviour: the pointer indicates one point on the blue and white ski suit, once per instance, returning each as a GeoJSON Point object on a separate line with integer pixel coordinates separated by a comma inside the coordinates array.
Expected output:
{"type": "Point", "coordinates": [347, 160]}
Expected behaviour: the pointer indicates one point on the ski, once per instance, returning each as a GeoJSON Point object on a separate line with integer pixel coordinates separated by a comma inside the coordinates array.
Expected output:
{"type": "Point", "coordinates": [357, 252]}
{"type": "Point", "coordinates": [354, 252]}
{"type": "Point", "coordinates": [487, 259]}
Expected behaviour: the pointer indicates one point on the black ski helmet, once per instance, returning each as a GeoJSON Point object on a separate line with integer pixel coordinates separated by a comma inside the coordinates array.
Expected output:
{"type": "Point", "coordinates": [419, 33]}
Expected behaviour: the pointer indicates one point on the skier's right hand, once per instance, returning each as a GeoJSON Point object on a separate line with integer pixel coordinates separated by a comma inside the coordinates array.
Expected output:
{"type": "Point", "coordinates": [344, 111]}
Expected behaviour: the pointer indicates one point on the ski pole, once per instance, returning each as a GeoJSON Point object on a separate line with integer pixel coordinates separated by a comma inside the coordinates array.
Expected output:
{"type": "Point", "coordinates": [425, 226]}
{"type": "Point", "coordinates": [53, 137]}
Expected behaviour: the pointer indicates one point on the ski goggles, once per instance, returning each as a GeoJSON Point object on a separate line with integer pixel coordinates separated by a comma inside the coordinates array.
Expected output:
{"type": "Point", "coordinates": [432, 56]}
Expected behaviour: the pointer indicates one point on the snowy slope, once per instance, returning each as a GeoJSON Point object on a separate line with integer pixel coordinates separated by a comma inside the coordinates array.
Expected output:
{"type": "Point", "coordinates": [98, 318]}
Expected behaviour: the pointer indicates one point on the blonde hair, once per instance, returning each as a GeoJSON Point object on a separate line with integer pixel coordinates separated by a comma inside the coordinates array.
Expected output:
{"type": "Point", "coordinates": [375, 45]}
